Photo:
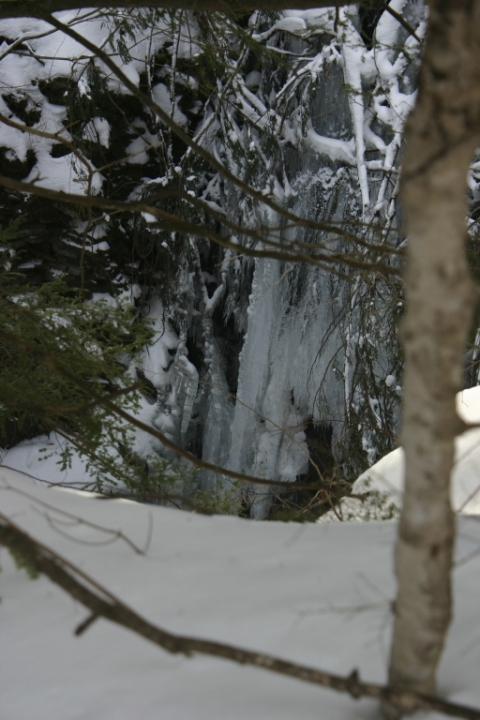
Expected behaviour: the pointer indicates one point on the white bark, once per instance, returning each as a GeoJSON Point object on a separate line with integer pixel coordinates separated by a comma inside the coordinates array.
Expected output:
{"type": "Point", "coordinates": [442, 134]}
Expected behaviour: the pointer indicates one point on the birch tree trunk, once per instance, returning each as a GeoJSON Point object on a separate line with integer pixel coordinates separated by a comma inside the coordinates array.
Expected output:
{"type": "Point", "coordinates": [442, 133]}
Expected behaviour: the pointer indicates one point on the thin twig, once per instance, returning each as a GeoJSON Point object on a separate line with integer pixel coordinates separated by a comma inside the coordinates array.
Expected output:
{"type": "Point", "coordinates": [115, 534]}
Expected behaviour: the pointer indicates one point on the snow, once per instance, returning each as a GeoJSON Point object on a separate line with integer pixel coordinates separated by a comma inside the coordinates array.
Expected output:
{"type": "Point", "coordinates": [300, 22]}
{"type": "Point", "coordinates": [386, 32]}
{"type": "Point", "coordinates": [316, 594]}
{"type": "Point", "coordinates": [39, 458]}
{"type": "Point", "coordinates": [136, 152]}
{"type": "Point", "coordinates": [253, 80]}
{"type": "Point", "coordinates": [385, 479]}
{"type": "Point", "coordinates": [98, 130]}
{"type": "Point", "coordinates": [161, 95]}
{"type": "Point", "coordinates": [336, 150]}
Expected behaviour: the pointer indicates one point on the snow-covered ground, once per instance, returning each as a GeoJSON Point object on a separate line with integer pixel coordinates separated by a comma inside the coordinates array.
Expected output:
{"type": "Point", "coordinates": [38, 459]}
{"type": "Point", "coordinates": [317, 594]}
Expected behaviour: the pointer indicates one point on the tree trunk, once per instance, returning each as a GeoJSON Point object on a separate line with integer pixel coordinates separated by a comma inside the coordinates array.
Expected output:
{"type": "Point", "coordinates": [441, 136]}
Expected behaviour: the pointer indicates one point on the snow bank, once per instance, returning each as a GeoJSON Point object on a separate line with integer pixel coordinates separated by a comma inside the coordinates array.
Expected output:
{"type": "Point", "coordinates": [385, 479]}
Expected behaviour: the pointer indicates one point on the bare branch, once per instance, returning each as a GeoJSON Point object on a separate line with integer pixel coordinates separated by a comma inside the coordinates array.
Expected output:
{"type": "Point", "coordinates": [36, 8]}
{"type": "Point", "coordinates": [279, 251]}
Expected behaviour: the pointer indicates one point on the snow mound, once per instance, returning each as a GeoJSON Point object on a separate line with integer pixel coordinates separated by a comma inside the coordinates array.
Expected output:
{"type": "Point", "coordinates": [384, 480]}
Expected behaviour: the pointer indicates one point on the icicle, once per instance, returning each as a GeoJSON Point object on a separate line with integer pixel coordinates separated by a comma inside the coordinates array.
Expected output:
{"type": "Point", "coordinates": [186, 384]}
